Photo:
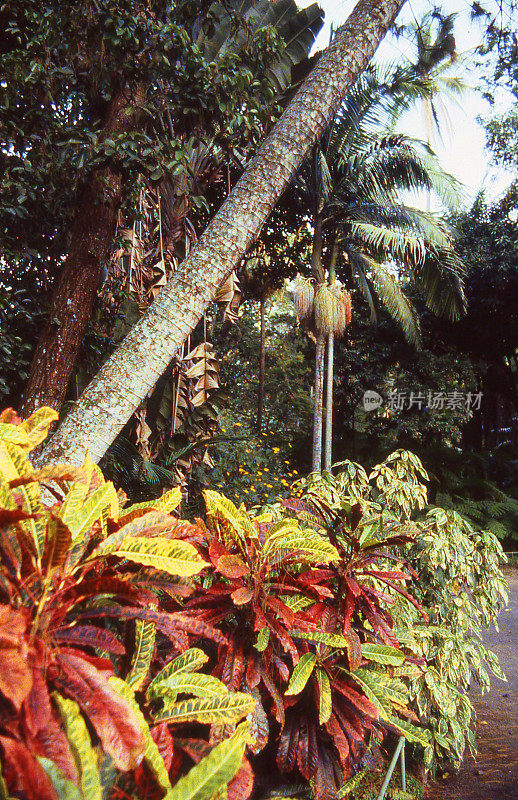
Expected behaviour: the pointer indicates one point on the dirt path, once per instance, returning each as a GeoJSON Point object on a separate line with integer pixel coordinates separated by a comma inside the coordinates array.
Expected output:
{"type": "Point", "coordinates": [494, 773]}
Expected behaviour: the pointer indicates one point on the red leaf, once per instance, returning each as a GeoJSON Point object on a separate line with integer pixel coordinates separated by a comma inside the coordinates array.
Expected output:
{"type": "Point", "coordinates": [353, 587]}
{"type": "Point", "coordinates": [303, 749]}
{"type": "Point", "coordinates": [23, 774]}
{"type": "Point", "coordinates": [354, 649]}
{"type": "Point", "coordinates": [241, 785]}
{"type": "Point", "coordinates": [275, 695]}
{"type": "Point", "coordinates": [253, 672]}
{"type": "Point", "coordinates": [90, 636]}
{"type": "Point", "coordinates": [362, 703]}
{"type": "Point", "coordinates": [284, 612]}
{"type": "Point", "coordinates": [216, 550]}
{"type": "Point", "coordinates": [284, 747]}
{"type": "Point", "coordinates": [325, 785]}
{"type": "Point", "coordinates": [15, 675]}
{"type": "Point", "coordinates": [37, 709]}
{"type": "Point", "coordinates": [282, 668]}
{"type": "Point", "coordinates": [282, 636]}
{"type": "Point", "coordinates": [164, 741]}
{"type": "Point", "coordinates": [232, 566]}
{"type": "Point", "coordinates": [242, 595]}
{"type": "Point", "coordinates": [113, 719]}
{"type": "Point", "coordinates": [260, 620]}
{"type": "Point", "coordinates": [340, 741]}
{"type": "Point", "coordinates": [312, 747]}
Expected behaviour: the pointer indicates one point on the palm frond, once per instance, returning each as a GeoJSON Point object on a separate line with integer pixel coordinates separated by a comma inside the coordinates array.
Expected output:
{"type": "Point", "coordinates": [440, 281]}
{"type": "Point", "coordinates": [395, 301]}
{"type": "Point", "coordinates": [403, 245]}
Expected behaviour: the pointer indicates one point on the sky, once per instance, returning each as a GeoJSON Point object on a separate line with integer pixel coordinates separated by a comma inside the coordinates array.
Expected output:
{"type": "Point", "coordinates": [462, 149]}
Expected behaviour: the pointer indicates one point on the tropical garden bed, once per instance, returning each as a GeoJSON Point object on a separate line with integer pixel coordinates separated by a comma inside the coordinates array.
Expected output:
{"type": "Point", "coordinates": [280, 651]}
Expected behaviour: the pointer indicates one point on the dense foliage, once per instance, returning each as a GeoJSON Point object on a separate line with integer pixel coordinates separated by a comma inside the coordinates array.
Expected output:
{"type": "Point", "coordinates": [302, 618]}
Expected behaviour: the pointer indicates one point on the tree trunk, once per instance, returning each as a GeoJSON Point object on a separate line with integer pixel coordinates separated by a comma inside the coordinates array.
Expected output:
{"type": "Point", "coordinates": [262, 364]}
{"type": "Point", "coordinates": [71, 308]}
{"type": "Point", "coordinates": [328, 439]}
{"type": "Point", "coordinates": [143, 355]}
{"type": "Point", "coordinates": [317, 407]}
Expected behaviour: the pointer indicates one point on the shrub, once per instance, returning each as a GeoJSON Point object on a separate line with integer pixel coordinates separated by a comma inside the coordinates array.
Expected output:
{"type": "Point", "coordinates": [454, 573]}
{"type": "Point", "coordinates": [82, 587]}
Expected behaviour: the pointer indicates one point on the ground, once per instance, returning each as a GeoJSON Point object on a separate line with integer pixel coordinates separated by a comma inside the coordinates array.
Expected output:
{"type": "Point", "coordinates": [493, 775]}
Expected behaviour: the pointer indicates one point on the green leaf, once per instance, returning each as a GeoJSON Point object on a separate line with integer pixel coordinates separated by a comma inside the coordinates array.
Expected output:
{"type": "Point", "coordinates": [301, 674]}
{"type": "Point", "coordinates": [81, 746]}
{"type": "Point", "coordinates": [221, 709]}
{"type": "Point", "coordinates": [263, 637]}
{"type": "Point", "coordinates": [152, 755]}
{"type": "Point", "coordinates": [65, 789]}
{"type": "Point", "coordinates": [168, 555]}
{"type": "Point", "coordinates": [213, 772]}
{"type": "Point", "coordinates": [412, 733]}
{"type": "Point", "coordinates": [186, 662]}
{"type": "Point", "coordinates": [145, 633]}
{"type": "Point", "coordinates": [92, 510]}
{"type": "Point", "coordinates": [331, 639]}
{"type": "Point", "coordinates": [186, 683]}
{"type": "Point", "coordinates": [325, 704]}
{"type": "Point", "coordinates": [382, 654]}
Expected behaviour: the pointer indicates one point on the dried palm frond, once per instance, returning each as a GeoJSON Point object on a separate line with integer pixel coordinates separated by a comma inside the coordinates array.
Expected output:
{"type": "Point", "coordinates": [304, 298]}
{"type": "Point", "coordinates": [343, 309]}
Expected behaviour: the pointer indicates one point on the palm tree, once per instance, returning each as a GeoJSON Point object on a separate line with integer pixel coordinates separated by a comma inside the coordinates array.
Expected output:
{"type": "Point", "coordinates": [353, 184]}
{"type": "Point", "coordinates": [134, 367]}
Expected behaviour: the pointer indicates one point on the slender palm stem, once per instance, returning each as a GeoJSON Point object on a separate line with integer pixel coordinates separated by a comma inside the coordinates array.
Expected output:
{"type": "Point", "coordinates": [262, 364]}
{"type": "Point", "coordinates": [328, 439]}
{"type": "Point", "coordinates": [317, 408]}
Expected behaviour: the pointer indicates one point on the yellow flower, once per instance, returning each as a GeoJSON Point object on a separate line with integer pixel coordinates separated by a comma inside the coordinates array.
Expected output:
{"type": "Point", "coordinates": [266, 469]}
{"type": "Point", "coordinates": [259, 472]}
{"type": "Point", "coordinates": [285, 482]}
{"type": "Point", "coordinates": [289, 444]}
{"type": "Point", "coordinates": [239, 424]}
{"type": "Point", "coordinates": [247, 451]}
{"type": "Point", "coordinates": [276, 449]}
{"type": "Point", "coordinates": [223, 430]}
{"type": "Point", "coordinates": [245, 491]}
{"type": "Point", "coordinates": [269, 485]}
{"type": "Point", "coordinates": [295, 472]}
{"type": "Point", "coordinates": [286, 462]}
{"type": "Point", "coordinates": [252, 487]}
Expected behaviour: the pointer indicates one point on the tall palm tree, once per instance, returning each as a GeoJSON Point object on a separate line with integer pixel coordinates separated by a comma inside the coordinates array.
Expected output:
{"type": "Point", "coordinates": [354, 184]}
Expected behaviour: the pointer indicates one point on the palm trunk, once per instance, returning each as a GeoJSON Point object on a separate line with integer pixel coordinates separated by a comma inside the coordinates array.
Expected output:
{"type": "Point", "coordinates": [328, 439]}
{"type": "Point", "coordinates": [317, 407]}
{"type": "Point", "coordinates": [262, 365]}
{"type": "Point", "coordinates": [71, 308]}
{"type": "Point", "coordinates": [136, 365]}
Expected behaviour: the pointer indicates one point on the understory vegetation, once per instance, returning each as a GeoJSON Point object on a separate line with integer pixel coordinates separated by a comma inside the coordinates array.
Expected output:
{"type": "Point", "coordinates": [146, 655]}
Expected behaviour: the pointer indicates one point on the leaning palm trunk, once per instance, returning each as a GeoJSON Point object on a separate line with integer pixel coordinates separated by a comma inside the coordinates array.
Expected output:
{"type": "Point", "coordinates": [144, 354]}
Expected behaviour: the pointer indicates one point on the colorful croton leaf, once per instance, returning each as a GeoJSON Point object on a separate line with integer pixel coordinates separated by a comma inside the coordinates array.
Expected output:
{"type": "Point", "coordinates": [81, 576]}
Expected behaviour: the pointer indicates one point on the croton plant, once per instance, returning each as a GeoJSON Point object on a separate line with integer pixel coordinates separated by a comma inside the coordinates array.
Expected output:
{"type": "Point", "coordinates": [144, 656]}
